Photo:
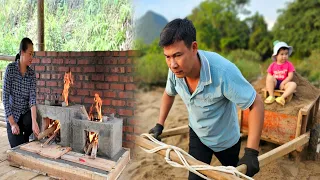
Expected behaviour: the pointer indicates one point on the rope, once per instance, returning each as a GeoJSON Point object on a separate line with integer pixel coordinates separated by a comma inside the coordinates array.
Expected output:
{"type": "Point", "coordinates": [193, 168]}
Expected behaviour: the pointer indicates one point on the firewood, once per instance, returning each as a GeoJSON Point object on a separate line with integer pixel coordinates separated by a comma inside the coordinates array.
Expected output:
{"type": "Point", "coordinates": [89, 149]}
{"type": "Point", "coordinates": [94, 150]}
{"type": "Point", "coordinates": [52, 136]}
{"type": "Point", "coordinates": [47, 131]}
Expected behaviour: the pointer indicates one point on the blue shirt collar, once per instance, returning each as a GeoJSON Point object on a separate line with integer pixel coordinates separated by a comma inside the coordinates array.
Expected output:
{"type": "Point", "coordinates": [205, 75]}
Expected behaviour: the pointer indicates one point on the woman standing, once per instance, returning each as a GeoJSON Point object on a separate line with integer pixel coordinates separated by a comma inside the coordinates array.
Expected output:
{"type": "Point", "coordinates": [19, 96]}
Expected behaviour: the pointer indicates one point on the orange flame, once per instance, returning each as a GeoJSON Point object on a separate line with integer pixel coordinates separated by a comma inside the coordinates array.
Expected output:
{"type": "Point", "coordinates": [98, 101]}
{"type": "Point", "coordinates": [68, 80]}
{"type": "Point", "coordinates": [97, 105]}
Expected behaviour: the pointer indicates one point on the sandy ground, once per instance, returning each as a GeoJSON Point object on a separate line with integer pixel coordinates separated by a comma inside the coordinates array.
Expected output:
{"type": "Point", "coordinates": [153, 166]}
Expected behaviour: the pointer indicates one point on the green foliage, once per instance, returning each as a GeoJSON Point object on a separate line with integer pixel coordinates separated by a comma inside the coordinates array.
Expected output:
{"type": "Point", "coordinates": [69, 25]}
{"type": "Point", "coordinates": [309, 67]}
{"type": "Point", "coordinates": [247, 61]}
{"type": "Point", "coordinates": [218, 26]}
{"type": "Point", "coordinates": [249, 69]}
{"type": "Point", "coordinates": [260, 39]}
{"type": "Point", "coordinates": [242, 54]}
{"type": "Point", "coordinates": [4, 64]}
{"type": "Point", "coordinates": [299, 26]}
{"type": "Point", "coordinates": [151, 69]}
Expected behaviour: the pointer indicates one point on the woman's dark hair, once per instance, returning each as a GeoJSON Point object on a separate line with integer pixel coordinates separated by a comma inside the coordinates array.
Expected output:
{"type": "Point", "coordinates": [23, 46]}
{"type": "Point", "coordinates": [178, 30]}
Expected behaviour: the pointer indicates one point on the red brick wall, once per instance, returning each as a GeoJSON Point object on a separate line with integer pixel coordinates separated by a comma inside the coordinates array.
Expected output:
{"type": "Point", "coordinates": [110, 74]}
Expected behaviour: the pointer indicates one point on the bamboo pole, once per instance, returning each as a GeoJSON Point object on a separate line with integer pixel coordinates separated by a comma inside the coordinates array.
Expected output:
{"type": "Point", "coordinates": [7, 58]}
{"type": "Point", "coordinates": [40, 25]}
{"type": "Point", "coordinates": [263, 159]}
{"type": "Point", "coordinates": [174, 157]}
{"type": "Point", "coordinates": [175, 131]}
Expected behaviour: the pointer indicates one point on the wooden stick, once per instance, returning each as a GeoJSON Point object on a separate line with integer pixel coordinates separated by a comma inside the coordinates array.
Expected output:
{"type": "Point", "coordinates": [48, 140]}
{"type": "Point", "coordinates": [174, 157]}
{"type": "Point", "coordinates": [55, 132]}
{"type": "Point", "coordinates": [47, 131]}
{"type": "Point", "coordinates": [94, 150]}
{"type": "Point", "coordinates": [280, 151]}
{"type": "Point", "coordinates": [87, 151]}
{"type": "Point", "coordinates": [175, 131]}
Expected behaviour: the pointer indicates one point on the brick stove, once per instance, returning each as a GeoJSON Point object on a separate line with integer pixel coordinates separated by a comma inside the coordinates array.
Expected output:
{"type": "Point", "coordinates": [74, 124]}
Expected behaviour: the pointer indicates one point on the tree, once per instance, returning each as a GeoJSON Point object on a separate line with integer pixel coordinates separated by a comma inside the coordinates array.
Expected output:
{"type": "Point", "coordinates": [260, 39]}
{"type": "Point", "coordinates": [218, 26]}
{"type": "Point", "coordinates": [299, 26]}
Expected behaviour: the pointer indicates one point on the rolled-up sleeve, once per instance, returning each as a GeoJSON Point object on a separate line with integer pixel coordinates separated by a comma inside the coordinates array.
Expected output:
{"type": "Point", "coordinates": [33, 96]}
{"type": "Point", "coordinates": [7, 91]}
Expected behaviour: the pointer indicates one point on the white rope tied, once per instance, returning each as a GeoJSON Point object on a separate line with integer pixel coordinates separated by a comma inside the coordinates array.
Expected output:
{"type": "Point", "coordinates": [193, 168]}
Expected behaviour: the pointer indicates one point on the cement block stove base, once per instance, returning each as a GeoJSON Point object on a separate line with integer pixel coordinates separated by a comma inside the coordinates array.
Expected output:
{"type": "Point", "coordinates": [74, 123]}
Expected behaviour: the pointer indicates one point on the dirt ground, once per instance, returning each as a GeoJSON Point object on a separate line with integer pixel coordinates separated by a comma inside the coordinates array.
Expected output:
{"type": "Point", "coordinates": [153, 166]}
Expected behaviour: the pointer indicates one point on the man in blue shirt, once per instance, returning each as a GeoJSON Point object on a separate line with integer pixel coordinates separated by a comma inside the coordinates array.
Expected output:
{"type": "Point", "coordinates": [211, 87]}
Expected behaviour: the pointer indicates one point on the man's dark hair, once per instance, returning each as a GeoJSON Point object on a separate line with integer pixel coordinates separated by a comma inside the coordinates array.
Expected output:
{"type": "Point", "coordinates": [177, 30]}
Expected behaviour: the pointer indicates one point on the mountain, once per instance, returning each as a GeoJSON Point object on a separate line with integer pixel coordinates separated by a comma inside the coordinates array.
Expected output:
{"type": "Point", "coordinates": [149, 26]}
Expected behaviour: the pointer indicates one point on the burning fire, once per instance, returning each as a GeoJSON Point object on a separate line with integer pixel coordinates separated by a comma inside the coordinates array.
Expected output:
{"type": "Point", "coordinates": [92, 137]}
{"type": "Point", "coordinates": [97, 105]}
{"type": "Point", "coordinates": [68, 80]}
{"type": "Point", "coordinates": [52, 131]}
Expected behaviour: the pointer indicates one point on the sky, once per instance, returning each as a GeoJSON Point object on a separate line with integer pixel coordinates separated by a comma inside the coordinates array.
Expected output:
{"type": "Point", "coordinates": [172, 9]}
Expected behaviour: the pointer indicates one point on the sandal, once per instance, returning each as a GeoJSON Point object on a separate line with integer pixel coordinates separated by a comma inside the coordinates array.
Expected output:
{"type": "Point", "coordinates": [281, 100]}
{"type": "Point", "coordinates": [269, 100]}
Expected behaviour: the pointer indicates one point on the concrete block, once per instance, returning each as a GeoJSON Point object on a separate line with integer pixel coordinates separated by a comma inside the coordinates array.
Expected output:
{"type": "Point", "coordinates": [64, 116]}
{"type": "Point", "coordinates": [109, 139]}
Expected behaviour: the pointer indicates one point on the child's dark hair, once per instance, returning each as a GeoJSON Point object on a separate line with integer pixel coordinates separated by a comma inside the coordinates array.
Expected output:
{"type": "Point", "coordinates": [23, 46]}
{"type": "Point", "coordinates": [282, 48]}
{"type": "Point", "coordinates": [177, 30]}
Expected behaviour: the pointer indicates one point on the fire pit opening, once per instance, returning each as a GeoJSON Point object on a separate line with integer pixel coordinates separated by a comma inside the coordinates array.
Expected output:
{"type": "Point", "coordinates": [50, 130]}
{"type": "Point", "coordinates": [91, 145]}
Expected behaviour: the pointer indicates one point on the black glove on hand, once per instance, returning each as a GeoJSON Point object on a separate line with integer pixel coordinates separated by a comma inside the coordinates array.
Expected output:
{"type": "Point", "coordinates": [250, 159]}
{"type": "Point", "coordinates": [156, 131]}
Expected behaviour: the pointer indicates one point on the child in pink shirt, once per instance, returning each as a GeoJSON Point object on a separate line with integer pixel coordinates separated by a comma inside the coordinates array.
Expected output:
{"type": "Point", "coordinates": [280, 73]}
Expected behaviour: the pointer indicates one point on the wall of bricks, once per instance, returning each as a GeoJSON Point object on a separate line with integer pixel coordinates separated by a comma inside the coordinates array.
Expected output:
{"type": "Point", "coordinates": [108, 73]}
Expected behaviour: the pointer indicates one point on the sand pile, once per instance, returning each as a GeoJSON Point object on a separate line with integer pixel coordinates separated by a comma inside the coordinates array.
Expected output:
{"type": "Point", "coordinates": [306, 94]}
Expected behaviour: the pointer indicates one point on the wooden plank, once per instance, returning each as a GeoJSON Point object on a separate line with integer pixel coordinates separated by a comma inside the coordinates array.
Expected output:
{"type": "Point", "coordinates": [19, 174]}
{"type": "Point", "coordinates": [277, 128]}
{"type": "Point", "coordinates": [5, 167]}
{"type": "Point", "coordinates": [121, 164]}
{"type": "Point", "coordinates": [284, 149]}
{"type": "Point", "coordinates": [53, 168]}
{"type": "Point", "coordinates": [175, 131]}
{"type": "Point", "coordinates": [299, 122]}
{"type": "Point", "coordinates": [142, 142]}
{"type": "Point", "coordinates": [305, 110]}
{"type": "Point", "coordinates": [98, 163]}
{"type": "Point", "coordinates": [52, 151]}
{"type": "Point", "coordinates": [239, 117]}
{"type": "Point", "coordinates": [42, 177]}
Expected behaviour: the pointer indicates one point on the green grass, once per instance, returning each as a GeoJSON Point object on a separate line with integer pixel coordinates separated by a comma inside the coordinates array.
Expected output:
{"type": "Point", "coordinates": [69, 25]}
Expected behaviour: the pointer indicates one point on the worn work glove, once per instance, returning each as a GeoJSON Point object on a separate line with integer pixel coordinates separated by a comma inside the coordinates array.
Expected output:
{"type": "Point", "coordinates": [250, 159]}
{"type": "Point", "coordinates": [156, 131]}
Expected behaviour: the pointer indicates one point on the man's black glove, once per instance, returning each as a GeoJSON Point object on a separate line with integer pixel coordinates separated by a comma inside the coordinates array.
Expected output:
{"type": "Point", "coordinates": [250, 159]}
{"type": "Point", "coordinates": [156, 131]}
